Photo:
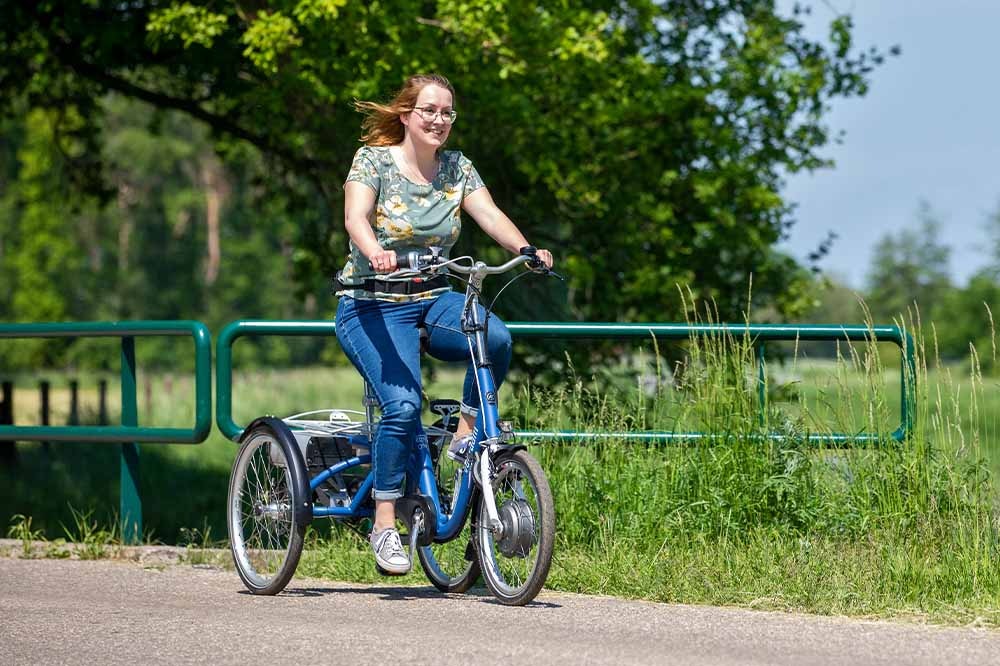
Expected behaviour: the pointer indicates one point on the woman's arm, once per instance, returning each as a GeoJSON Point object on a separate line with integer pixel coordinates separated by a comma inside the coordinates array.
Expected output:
{"type": "Point", "coordinates": [493, 221]}
{"type": "Point", "coordinates": [359, 202]}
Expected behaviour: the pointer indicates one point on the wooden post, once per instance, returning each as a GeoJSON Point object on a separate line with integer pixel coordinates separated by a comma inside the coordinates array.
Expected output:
{"type": "Point", "coordinates": [74, 403]}
{"type": "Point", "coordinates": [8, 451]}
{"type": "Point", "coordinates": [43, 386]}
{"type": "Point", "coordinates": [102, 402]}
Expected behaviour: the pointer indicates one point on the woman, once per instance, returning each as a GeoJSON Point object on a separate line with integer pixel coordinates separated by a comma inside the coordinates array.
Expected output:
{"type": "Point", "coordinates": [404, 192]}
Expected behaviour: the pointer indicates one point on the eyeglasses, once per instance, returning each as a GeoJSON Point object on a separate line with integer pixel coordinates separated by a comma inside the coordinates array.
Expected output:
{"type": "Point", "coordinates": [429, 113]}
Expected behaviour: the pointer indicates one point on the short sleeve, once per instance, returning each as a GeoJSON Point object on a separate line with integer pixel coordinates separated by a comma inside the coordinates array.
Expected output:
{"type": "Point", "coordinates": [364, 169]}
{"type": "Point", "coordinates": [471, 177]}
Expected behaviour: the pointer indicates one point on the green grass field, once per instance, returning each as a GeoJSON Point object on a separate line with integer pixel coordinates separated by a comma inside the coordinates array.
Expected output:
{"type": "Point", "coordinates": [889, 529]}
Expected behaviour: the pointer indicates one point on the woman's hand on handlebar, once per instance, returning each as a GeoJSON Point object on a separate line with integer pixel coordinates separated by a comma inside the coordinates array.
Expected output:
{"type": "Point", "coordinates": [538, 260]}
{"type": "Point", "coordinates": [383, 261]}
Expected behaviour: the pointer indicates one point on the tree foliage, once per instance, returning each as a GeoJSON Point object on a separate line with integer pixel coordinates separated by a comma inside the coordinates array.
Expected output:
{"type": "Point", "coordinates": [183, 235]}
{"type": "Point", "coordinates": [969, 314]}
{"type": "Point", "coordinates": [643, 141]}
{"type": "Point", "coordinates": [909, 282]}
{"type": "Point", "coordinates": [910, 271]}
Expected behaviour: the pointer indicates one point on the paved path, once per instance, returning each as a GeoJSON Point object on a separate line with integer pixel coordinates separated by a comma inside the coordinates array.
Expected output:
{"type": "Point", "coordinates": [107, 612]}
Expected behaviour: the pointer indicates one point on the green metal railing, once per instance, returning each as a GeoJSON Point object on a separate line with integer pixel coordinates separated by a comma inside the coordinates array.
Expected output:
{"type": "Point", "coordinates": [759, 334]}
{"type": "Point", "coordinates": [224, 360]}
{"type": "Point", "coordinates": [129, 433]}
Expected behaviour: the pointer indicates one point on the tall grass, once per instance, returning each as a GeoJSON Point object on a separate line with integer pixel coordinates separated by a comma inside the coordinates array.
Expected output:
{"type": "Point", "coordinates": [745, 517]}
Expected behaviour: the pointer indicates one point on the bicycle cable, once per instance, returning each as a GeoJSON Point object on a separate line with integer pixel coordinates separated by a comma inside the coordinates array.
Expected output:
{"type": "Point", "coordinates": [511, 281]}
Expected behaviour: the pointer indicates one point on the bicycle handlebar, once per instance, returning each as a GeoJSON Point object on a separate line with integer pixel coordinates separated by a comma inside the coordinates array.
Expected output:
{"type": "Point", "coordinates": [426, 262]}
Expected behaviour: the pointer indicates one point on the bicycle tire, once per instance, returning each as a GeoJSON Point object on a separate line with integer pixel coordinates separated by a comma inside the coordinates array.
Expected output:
{"type": "Point", "coordinates": [453, 566]}
{"type": "Point", "coordinates": [515, 567]}
{"type": "Point", "coordinates": [265, 535]}
{"type": "Point", "coordinates": [439, 559]}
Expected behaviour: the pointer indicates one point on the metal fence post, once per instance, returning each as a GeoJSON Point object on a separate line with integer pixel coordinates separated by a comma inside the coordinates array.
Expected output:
{"type": "Point", "coordinates": [130, 503]}
{"type": "Point", "coordinates": [761, 384]}
{"type": "Point", "coordinates": [908, 375]}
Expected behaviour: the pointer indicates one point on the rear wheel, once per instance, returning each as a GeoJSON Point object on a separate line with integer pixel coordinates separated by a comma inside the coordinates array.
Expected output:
{"type": "Point", "coordinates": [515, 562]}
{"type": "Point", "coordinates": [265, 539]}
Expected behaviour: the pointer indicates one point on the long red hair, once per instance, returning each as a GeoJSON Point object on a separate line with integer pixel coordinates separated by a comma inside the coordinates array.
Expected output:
{"type": "Point", "coordinates": [381, 126]}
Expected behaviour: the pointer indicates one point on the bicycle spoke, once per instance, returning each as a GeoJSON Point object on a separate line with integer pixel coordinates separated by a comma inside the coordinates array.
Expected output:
{"type": "Point", "coordinates": [264, 512]}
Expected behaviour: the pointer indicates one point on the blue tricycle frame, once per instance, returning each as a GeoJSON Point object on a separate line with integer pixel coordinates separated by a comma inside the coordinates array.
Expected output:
{"type": "Point", "coordinates": [276, 481]}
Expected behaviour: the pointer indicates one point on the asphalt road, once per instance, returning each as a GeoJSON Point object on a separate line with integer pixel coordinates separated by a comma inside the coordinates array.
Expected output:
{"type": "Point", "coordinates": [110, 612]}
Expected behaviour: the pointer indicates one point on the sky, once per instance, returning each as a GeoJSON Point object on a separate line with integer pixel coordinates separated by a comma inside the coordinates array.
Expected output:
{"type": "Point", "coordinates": [928, 130]}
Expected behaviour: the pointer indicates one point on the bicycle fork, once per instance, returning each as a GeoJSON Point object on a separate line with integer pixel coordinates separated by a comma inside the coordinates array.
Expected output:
{"type": "Point", "coordinates": [491, 505]}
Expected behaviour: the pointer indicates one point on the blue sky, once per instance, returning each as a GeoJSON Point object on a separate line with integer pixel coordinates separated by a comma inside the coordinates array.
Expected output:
{"type": "Point", "coordinates": [928, 129]}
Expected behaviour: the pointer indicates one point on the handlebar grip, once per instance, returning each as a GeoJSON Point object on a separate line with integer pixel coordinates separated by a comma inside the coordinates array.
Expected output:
{"type": "Point", "coordinates": [408, 260]}
{"type": "Point", "coordinates": [534, 261]}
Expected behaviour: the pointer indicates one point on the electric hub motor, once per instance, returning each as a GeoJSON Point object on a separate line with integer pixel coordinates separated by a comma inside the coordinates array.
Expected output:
{"type": "Point", "coordinates": [518, 535]}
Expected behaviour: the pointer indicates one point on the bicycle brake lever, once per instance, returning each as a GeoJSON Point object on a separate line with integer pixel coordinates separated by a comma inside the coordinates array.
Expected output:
{"type": "Point", "coordinates": [555, 275]}
{"type": "Point", "coordinates": [542, 269]}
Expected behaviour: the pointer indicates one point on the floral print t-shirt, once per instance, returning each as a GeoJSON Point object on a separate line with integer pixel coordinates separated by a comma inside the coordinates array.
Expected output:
{"type": "Point", "coordinates": [408, 216]}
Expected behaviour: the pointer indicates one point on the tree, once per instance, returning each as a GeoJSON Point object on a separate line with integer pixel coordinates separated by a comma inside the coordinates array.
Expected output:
{"type": "Point", "coordinates": [40, 256]}
{"type": "Point", "coordinates": [968, 315]}
{"type": "Point", "coordinates": [836, 303]}
{"type": "Point", "coordinates": [145, 251]}
{"type": "Point", "coordinates": [644, 140]}
{"type": "Point", "coordinates": [992, 228]}
{"type": "Point", "coordinates": [909, 268]}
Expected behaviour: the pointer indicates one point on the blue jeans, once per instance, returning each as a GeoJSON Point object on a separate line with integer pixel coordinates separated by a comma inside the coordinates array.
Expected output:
{"type": "Point", "coordinates": [382, 341]}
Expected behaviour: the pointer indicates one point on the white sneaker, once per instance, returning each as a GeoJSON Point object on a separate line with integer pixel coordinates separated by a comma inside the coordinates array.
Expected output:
{"type": "Point", "coordinates": [459, 447]}
{"type": "Point", "coordinates": [390, 557]}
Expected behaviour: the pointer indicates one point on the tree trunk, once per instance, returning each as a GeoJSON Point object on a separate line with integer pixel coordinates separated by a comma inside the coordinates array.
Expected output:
{"type": "Point", "coordinates": [213, 182]}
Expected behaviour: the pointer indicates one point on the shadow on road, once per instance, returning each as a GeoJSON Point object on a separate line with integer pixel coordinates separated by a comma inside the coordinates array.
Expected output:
{"type": "Point", "coordinates": [400, 593]}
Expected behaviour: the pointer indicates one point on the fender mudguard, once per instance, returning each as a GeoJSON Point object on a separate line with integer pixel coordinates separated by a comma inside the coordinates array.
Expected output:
{"type": "Point", "coordinates": [303, 509]}
{"type": "Point", "coordinates": [509, 450]}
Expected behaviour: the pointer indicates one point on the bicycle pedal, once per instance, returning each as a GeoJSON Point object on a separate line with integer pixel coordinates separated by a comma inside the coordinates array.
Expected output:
{"type": "Point", "coordinates": [445, 407]}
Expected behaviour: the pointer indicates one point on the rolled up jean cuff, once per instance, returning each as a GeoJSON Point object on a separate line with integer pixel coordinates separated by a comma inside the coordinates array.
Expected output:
{"type": "Point", "coordinates": [386, 494]}
{"type": "Point", "coordinates": [469, 411]}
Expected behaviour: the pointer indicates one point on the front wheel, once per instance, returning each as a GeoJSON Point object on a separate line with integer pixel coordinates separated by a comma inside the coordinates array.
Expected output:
{"type": "Point", "coordinates": [264, 535]}
{"type": "Point", "coordinates": [515, 562]}
{"type": "Point", "coordinates": [451, 566]}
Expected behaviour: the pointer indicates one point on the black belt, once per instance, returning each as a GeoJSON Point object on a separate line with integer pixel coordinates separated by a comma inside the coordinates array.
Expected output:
{"type": "Point", "coordinates": [407, 287]}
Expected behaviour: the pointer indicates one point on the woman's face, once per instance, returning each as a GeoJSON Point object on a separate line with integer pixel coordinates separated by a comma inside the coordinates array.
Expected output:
{"type": "Point", "coordinates": [423, 125]}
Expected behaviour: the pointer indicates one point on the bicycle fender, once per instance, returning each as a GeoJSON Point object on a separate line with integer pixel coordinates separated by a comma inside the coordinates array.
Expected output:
{"type": "Point", "coordinates": [303, 510]}
{"type": "Point", "coordinates": [509, 450]}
